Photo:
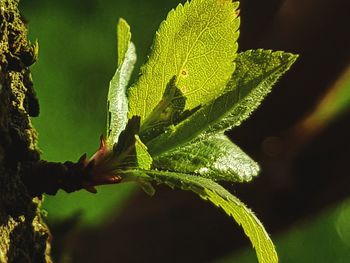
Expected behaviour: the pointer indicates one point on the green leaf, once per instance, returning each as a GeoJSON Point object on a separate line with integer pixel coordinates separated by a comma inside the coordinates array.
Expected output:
{"type": "Point", "coordinates": [212, 156]}
{"type": "Point", "coordinates": [257, 71]}
{"type": "Point", "coordinates": [213, 192]}
{"type": "Point", "coordinates": [117, 102]}
{"type": "Point", "coordinates": [197, 44]}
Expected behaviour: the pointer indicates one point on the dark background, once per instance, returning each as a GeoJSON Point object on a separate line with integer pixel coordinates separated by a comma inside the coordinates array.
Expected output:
{"type": "Point", "coordinates": [301, 193]}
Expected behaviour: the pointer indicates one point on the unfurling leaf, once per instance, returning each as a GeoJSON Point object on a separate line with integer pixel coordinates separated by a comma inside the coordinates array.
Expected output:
{"type": "Point", "coordinates": [117, 102]}
{"type": "Point", "coordinates": [197, 44]}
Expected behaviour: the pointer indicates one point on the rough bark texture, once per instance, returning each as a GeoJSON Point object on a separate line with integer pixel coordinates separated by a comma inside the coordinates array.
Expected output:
{"type": "Point", "coordinates": [23, 235]}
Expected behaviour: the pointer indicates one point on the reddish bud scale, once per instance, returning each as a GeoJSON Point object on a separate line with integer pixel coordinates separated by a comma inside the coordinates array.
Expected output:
{"type": "Point", "coordinates": [48, 177]}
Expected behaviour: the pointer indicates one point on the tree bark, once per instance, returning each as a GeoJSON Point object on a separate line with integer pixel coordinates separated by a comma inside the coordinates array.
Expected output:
{"type": "Point", "coordinates": [23, 235]}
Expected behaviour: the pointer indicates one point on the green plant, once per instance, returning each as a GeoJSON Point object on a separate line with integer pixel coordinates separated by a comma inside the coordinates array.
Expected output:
{"type": "Point", "coordinates": [168, 127]}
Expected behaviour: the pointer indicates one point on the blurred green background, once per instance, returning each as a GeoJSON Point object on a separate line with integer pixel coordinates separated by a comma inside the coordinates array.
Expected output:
{"type": "Point", "coordinates": [77, 58]}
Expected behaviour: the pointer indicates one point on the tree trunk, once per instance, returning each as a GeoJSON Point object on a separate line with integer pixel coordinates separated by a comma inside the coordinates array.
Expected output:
{"type": "Point", "coordinates": [23, 235]}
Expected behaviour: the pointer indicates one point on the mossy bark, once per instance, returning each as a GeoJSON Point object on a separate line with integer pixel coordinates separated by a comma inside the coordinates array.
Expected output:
{"type": "Point", "coordinates": [23, 235]}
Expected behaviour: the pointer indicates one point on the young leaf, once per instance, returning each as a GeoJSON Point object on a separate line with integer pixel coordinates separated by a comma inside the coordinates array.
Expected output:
{"type": "Point", "coordinates": [209, 190]}
{"type": "Point", "coordinates": [117, 102]}
{"type": "Point", "coordinates": [211, 156]}
{"type": "Point", "coordinates": [197, 44]}
{"type": "Point", "coordinates": [257, 71]}
{"type": "Point", "coordinates": [260, 70]}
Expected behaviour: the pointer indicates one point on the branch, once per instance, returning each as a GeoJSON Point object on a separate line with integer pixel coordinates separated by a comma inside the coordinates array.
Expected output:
{"type": "Point", "coordinates": [48, 177]}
